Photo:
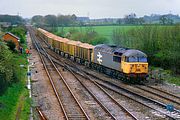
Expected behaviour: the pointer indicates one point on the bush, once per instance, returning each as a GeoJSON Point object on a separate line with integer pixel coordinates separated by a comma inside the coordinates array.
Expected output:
{"type": "Point", "coordinates": [7, 67]}
{"type": "Point", "coordinates": [19, 31]}
{"type": "Point", "coordinates": [99, 40]}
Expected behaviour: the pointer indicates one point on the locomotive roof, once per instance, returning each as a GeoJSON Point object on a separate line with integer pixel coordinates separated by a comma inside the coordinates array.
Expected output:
{"type": "Point", "coordinates": [132, 52]}
{"type": "Point", "coordinates": [112, 49]}
{"type": "Point", "coordinates": [120, 50]}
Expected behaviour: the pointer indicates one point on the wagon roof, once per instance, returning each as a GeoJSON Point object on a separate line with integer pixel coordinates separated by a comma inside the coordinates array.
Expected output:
{"type": "Point", "coordinates": [65, 40]}
{"type": "Point", "coordinates": [86, 45]}
{"type": "Point", "coordinates": [42, 30]}
{"type": "Point", "coordinates": [72, 42]}
{"type": "Point", "coordinates": [57, 38]}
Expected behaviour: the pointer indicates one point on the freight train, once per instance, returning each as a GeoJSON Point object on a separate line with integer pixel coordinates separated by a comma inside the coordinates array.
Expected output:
{"type": "Point", "coordinates": [118, 62]}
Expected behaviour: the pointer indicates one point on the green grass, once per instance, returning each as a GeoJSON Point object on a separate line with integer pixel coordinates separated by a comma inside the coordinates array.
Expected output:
{"type": "Point", "coordinates": [25, 107]}
{"type": "Point", "coordinates": [105, 31]}
{"type": "Point", "coordinates": [10, 100]}
{"type": "Point", "coordinates": [171, 78]}
{"type": "Point", "coordinates": [174, 80]}
{"type": "Point", "coordinates": [165, 75]}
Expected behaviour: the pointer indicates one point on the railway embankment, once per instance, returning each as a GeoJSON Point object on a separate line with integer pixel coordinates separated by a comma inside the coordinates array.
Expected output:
{"type": "Point", "coordinates": [14, 100]}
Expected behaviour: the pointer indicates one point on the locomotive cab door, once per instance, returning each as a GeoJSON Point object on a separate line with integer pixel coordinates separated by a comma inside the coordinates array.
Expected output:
{"type": "Point", "coordinates": [122, 63]}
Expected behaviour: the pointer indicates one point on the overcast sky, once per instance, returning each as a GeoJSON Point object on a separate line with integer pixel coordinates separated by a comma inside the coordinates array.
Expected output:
{"type": "Point", "coordinates": [91, 8]}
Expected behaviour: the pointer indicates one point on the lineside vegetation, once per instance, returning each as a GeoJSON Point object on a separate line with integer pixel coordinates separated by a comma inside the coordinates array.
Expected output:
{"type": "Point", "coordinates": [160, 43]}
{"type": "Point", "coordinates": [13, 93]}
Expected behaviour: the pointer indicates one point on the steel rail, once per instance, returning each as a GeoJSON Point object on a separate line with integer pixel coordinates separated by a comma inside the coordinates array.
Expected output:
{"type": "Point", "coordinates": [92, 94]}
{"type": "Point", "coordinates": [170, 94]}
{"type": "Point", "coordinates": [107, 87]}
{"type": "Point", "coordinates": [117, 103]}
{"type": "Point", "coordinates": [159, 95]}
{"type": "Point", "coordinates": [41, 114]}
{"type": "Point", "coordinates": [50, 79]}
{"type": "Point", "coordinates": [64, 81]}
{"type": "Point", "coordinates": [122, 107]}
{"type": "Point", "coordinates": [121, 93]}
{"type": "Point", "coordinates": [159, 104]}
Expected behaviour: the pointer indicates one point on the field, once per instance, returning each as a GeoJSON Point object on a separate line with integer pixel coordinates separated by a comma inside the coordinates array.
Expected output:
{"type": "Point", "coordinates": [105, 31]}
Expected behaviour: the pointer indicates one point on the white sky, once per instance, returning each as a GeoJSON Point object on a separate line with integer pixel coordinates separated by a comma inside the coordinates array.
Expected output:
{"type": "Point", "coordinates": [91, 8]}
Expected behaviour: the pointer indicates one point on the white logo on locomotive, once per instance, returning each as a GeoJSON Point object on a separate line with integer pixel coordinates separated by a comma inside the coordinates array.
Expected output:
{"type": "Point", "coordinates": [99, 57]}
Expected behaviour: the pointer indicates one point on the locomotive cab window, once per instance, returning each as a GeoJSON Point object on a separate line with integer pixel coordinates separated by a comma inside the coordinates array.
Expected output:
{"type": "Point", "coordinates": [116, 59]}
{"type": "Point", "coordinates": [136, 59]}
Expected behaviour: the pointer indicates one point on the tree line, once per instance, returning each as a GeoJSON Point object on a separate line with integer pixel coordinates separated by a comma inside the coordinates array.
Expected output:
{"type": "Point", "coordinates": [132, 19]}
{"type": "Point", "coordinates": [53, 20]}
{"type": "Point", "coordinates": [160, 43]}
{"type": "Point", "coordinates": [13, 19]}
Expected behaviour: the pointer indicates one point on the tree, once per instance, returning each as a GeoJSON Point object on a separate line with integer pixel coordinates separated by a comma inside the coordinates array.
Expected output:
{"type": "Point", "coordinates": [50, 20]}
{"type": "Point", "coordinates": [119, 21]}
{"type": "Point", "coordinates": [12, 19]}
{"type": "Point", "coordinates": [170, 21]}
{"type": "Point", "coordinates": [141, 20]}
{"type": "Point", "coordinates": [66, 20]}
{"type": "Point", "coordinates": [6, 67]}
{"type": "Point", "coordinates": [130, 19]}
{"type": "Point", "coordinates": [163, 20]}
{"type": "Point", "coordinates": [19, 31]}
{"type": "Point", "coordinates": [37, 20]}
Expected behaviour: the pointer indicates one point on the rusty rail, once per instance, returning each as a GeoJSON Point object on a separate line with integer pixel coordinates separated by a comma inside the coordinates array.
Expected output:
{"type": "Point", "coordinates": [41, 114]}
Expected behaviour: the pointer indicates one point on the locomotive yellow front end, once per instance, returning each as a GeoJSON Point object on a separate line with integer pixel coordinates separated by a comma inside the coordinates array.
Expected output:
{"type": "Point", "coordinates": [134, 64]}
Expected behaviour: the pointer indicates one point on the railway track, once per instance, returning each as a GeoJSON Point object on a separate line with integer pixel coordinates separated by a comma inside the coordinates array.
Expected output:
{"type": "Point", "coordinates": [70, 112]}
{"type": "Point", "coordinates": [132, 98]}
{"type": "Point", "coordinates": [147, 99]}
{"type": "Point", "coordinates": [95, 89]}
{"type": "Point", "coordinates": [170, 98]}
{"type": "Point", "coordinates": [163, 91]}
{"type": "Point", "coordinates": [107, 84]}
{"type": "Point", "coordinates": [164, 112]}
{"type": "Point", "coordinates": [115, 106]}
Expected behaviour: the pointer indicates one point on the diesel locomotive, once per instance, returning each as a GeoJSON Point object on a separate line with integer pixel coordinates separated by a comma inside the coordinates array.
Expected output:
{"type": "Point", "coordinates": [118, 62]}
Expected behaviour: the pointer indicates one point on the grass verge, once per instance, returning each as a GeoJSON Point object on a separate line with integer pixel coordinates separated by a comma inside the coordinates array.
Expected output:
{"type": "Point", "coordinates": [165, 75]}
{"type": "Point", "coordinates": [11, 99]}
